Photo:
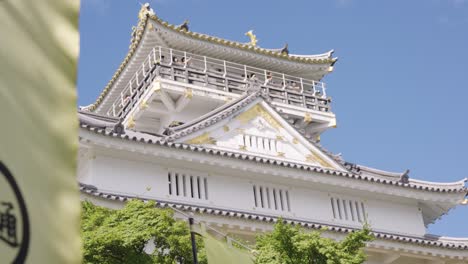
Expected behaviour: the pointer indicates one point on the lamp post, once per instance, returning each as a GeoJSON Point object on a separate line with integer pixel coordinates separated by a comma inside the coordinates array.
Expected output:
{"type": "Point", "coordinates": [192, 237]}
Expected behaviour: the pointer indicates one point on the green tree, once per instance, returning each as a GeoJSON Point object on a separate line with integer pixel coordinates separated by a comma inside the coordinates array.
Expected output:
{"type": "Point", "coordinates": [291, 245]}
{"type": "Point", "coordinates": [119, 236]}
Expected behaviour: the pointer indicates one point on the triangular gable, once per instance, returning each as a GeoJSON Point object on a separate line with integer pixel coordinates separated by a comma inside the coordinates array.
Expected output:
{"type": "Point", "coordinates": [257, 129]}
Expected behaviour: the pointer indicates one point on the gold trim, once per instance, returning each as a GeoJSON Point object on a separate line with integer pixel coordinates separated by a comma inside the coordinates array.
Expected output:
{"type": "Point", "coordinates": [295, 141]}
{"type": "Point", "coordinates": [307, 118]}
{"type": "Point", "coordinates": [253, 38]}
{"type": "Point", "coordinates": [138, 34]}
{"type": "Point", "coordinates": [312, 157]}
{"type": "Point", "coordinates": [281, 154]}
{"type": "Point", "coordinates": [202, 139]}
{"type": "Point", "coordinates": [131, 122]}
{"type": "Point", "coordinates": [226, 128]}
{"type": "Point", "coordinates": [143, 105]}
{"type": "Point", "coordinates": [242, 147]}
{"type": "Point", "coordinates": [243, 46]}
{"type": "Point", "coordinates": [188, 93]}
{"type": "Point", "coordinates": [279, 138]}
{"type": "Point", "coordinates": [156, 87]}
{"type": "Point", "coordinates": [143, 16]}
{"type": "Point", "coordinates": [255, 111]}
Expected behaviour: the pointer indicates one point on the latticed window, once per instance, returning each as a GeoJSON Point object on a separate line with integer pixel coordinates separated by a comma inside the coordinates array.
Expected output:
{"type": "Point", "coordinates": [271, 198]}
{"type": "Point", "coordinates": [260, 144]}
{"type": "Point", "coordinates": [348, 210]}
{"type": "Point", "coordinates": [187, 185]}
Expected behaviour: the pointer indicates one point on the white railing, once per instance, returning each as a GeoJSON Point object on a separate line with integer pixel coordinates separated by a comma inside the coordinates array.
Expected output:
{"type": "Point", "coordinates": [221, 75]}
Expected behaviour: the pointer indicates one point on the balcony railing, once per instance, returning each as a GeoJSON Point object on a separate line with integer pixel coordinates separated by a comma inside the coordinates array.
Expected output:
{"type": "Point", "coordinates": [220, 75]}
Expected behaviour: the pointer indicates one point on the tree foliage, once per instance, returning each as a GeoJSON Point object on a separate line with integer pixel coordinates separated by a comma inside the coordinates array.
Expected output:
{"type": "Point", "coordinates": [119, 236]}
{"type": "Point", "coordinates": [290, 245]}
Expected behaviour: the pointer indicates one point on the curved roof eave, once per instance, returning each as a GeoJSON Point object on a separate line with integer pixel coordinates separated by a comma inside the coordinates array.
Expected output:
{"type": "Point", "coordinates": [136, 40]}
{"type": "Point", "coordinates": [147, 13]}
{"type": "Point", "coordinates": [397, 175]}
{"type": "Point", "coordinates": [448, 188]}
{"type": "Point", "coordinates": [324, 58]}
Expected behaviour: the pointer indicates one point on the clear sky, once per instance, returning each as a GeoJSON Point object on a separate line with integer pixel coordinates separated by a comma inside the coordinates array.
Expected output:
{"type": "Point", "coordinates": [399, 88]}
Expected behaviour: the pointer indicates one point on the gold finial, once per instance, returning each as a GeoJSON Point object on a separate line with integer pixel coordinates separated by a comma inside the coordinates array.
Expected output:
{"type": "Point", "coordinates": [145, 8]}
{"type": "Point", "coordinates": [253, 38]}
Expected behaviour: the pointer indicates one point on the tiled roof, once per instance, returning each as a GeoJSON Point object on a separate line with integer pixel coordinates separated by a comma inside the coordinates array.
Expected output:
{"type": "Point", "coordinates": [147, 13]}
{"type": "Point", "coordinates": [212, 117]}
{"type": "Point", "coordinates": [140, 137]}
{"type": "Point", "coordinates": [135, 42]}
{"type": "Point", "coordinates": [309, 59]}
{"type": "Point", "coordinates": [429, 240]}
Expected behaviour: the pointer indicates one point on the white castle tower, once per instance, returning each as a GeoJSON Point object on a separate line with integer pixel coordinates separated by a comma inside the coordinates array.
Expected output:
{"type": "Point", "coordinates": [230, 131]}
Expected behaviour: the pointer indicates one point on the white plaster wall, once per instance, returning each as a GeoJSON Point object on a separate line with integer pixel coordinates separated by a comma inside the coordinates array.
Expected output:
{"type": "Point", "coordinates": [149, 180]}
{"type": "Point", "coordinates": [398, 217]}
{"type": "Point", "coordinates": [129, 177]}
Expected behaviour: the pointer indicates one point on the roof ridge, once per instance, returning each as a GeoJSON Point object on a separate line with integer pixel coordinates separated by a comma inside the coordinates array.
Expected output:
{"type": "Point", "coordinates": [138, 137]}
{"type": "Point", "coordinates": [213, 117]}
{"type": "Point", "coordinates": [146, 13]}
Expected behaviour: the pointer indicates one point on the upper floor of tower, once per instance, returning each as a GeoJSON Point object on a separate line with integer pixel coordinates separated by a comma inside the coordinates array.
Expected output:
{"type": "Point", "coordinates": [172, 75]}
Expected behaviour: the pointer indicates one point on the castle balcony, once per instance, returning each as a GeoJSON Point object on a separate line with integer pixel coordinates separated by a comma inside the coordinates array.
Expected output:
{"type": "Point", "coordinates": [191, 76]}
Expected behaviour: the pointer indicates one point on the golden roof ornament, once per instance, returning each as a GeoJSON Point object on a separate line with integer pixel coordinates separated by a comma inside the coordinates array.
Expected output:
{"type": "Point", "coordinates": [145, 9]}
{"type": "Point", "coordinates": [253, 38]}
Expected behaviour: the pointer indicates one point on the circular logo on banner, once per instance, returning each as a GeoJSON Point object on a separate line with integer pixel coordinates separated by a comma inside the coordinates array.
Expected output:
{"type": "Point", "coordinates": [14, 222]}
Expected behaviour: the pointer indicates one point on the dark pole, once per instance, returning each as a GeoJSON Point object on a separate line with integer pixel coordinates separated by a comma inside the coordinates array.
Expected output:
{"type": "Point", "coordinates": [194, 245]}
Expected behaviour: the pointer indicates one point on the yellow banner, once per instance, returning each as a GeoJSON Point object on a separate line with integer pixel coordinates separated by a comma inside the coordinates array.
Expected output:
{"type": "Point", "coordinates": [39, 201]}
{"type": "Point", "coordinates": [219, 251]}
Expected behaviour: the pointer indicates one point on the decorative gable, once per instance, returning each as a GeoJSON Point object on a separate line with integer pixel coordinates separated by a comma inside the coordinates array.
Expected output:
{"type": "Point", "coordinates": [257, 129]}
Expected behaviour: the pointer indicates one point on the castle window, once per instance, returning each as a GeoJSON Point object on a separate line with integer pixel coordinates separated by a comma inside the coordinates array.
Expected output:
{"type": "Point", "coordinates": [348, 210]}
{"type": "Point", "coordinates": [271, 198]}
{"type": "Point", "coordinates": [260, 144]}
{"type": "Point", "coordinates": [188, 186]}
{"type": "Point", "coordinates": [169, 179]}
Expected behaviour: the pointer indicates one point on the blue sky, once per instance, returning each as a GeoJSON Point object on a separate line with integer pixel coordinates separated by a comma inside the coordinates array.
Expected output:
{"type": "Point", "coordinates": [399, 89]}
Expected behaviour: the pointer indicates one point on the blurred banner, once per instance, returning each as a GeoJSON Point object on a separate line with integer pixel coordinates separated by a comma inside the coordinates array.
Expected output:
{"type": "Point", "coordinates": [220, 250]}
{"type": "Point", "coordinates": [39, 199]}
